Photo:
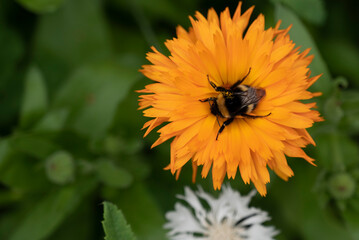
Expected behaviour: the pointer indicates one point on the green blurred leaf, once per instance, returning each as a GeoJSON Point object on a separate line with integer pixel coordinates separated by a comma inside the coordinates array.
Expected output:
{"type": "Point", "coordinates": [34, 102]}
{"type": "Point", "coordinates": [41, 6]}
{"type": "Point", "coordinates": [349, 103]}
{"type": "Point", "coordinates": [8, 221]}
{"type": "Point", "coordinates": [19, 172]}
{"type": "Point", "coordinates": [11, 53]}
{"type": "Point", "coordinates": [332, 110]}
{"type": "Point", "coordinates": [126, 124]}
{"type": "Point", "coordinates": [114, 224]}
{"type": "Point", "coordinates": [321, 188]}
{"type": "Point", "coordinates": [93, 93]}
{"type": "Point", "coordinates": [300, 210]}
{"type": "Point", "coordinates": [112, 175]}
{"type": "Point", "coordinates": [75, 34]}
{"type": "Point", "coordinates": [22, 174]}
{"type": "Point", "coordinates": [335, 151]}
{"type": "Point", "coordinates": [33, 145]}
{"type": "Point", "coordinates": [352, 222]}
{"type": "Point", "coordinates": [8, 197]}
{"type": "Point", "coordinates": [53, 121]}
{"type": "Point", "coordinates": [311, 10]}
{"type": "Point", "coordinates": [4, 151]}
{"type": "Point", "coordinates": [348, 53]}
{"type": "Point", "coordinates": [172, 11]}
{"type": "Point", "coordinates": [113, 145]}
{"type": "Point", "coordinates": [78, 226]}
{"type": "Point", "coordinates": [137, 165]}
{"type": "Point", "coordinates": [301, 37]}
{"type": "Point", "coordinates": [51, 211]}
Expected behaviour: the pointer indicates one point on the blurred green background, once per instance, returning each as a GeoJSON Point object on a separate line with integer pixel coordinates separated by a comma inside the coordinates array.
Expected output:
{"type": "Point", "coordinates": [70, 129]}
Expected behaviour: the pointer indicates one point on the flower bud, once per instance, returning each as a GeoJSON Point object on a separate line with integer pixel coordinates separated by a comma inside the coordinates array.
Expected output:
{"type": "Point", "coordinates": [341, 186]}
{"type": "Point", "coordinates": [60, 167]}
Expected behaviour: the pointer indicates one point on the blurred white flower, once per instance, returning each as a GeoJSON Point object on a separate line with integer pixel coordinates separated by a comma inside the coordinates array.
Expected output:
{"type": "Point", "coordinates": [227, 218]}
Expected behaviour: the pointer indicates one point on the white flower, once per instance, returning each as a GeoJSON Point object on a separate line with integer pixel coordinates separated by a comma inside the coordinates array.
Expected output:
{"type": "Point", "coordinates": [227, 218]}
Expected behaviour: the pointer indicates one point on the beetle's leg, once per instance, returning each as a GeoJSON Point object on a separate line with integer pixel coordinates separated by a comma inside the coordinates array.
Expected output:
{"type": "Point", "coordinates": [218, 121]}
{"type": "Point", "coordinates": [241, 80]}
{"type": "Point", "coordinates": [253, 117]}
{"type": "Point", "coordinates": [218, 89]}
{"type": "Point", "coordinates": [226, 123]}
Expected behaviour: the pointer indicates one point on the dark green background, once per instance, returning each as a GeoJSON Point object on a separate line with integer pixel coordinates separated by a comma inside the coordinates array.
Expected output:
{"type": "Point", "coordinates": [70, 129]}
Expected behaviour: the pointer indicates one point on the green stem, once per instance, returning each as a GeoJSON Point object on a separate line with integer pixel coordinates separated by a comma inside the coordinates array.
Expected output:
{"type": "Point", "coordinates": [338, 161]}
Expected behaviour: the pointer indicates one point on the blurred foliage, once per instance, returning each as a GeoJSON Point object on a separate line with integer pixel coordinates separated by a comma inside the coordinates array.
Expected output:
{"type": "Point", "coordinates": [70, 131]}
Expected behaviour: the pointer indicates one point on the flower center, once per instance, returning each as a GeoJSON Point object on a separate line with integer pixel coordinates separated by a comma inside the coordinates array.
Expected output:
{"type": "Point", "coordinates": [224, 231]}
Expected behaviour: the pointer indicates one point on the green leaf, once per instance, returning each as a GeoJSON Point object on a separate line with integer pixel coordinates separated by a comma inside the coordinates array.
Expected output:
{"type": "Point", "coordinates": [311, 10]}
{"type": "Point", "coordinates": [114, 224]}
{"type": "Point", "coordinates": [11, 51]}
{"type": "Point", "coordinates": [348, 53]}
{"type": "Point", "coordinates": [336, 150]}
{"type": "Point", "coordinates": [22, 175]}
{"type": "Point", "coordinates": [332, 110]}
{"type": "Point", "coordinates": [34, 103]}
{"type": "Point", "coordinates": [172, 11]}
{"type": "Point", "coordinates": [51, 211]}
{"type": "Point", "coordinates": [352, 222]}
{"type": "Point", "coordinates": [4, 151]}
{"type": "Point", "coordinates": [93, 93]}
{"type": "Point", "coordinates": [75, 34]}
{"type": "Point", "coordinates": [41, 6]}
{"type": "Point", "coordinates": [113, 145]}
{"type": "Point", "coordinates": [33, 145]}
{"type": "Point", "coordinates": [76, 227]}
{"type": "Point", "coordinates": [137, 199]}
{"type": "Point", "coordinates": [53, 121]}
{"type": "Point", "coordinates": [112, 175]}
{"type": "Point", "coordinates": [11, 73]}
{"type": "Point", "coordinates": [301, 37]}
{"type": "Point", "coordinates": [126, 124]}
{"type": "Point", "coordinates": [9, 197]}
{"type": "Point", "coordinates": [349, 102]}
{"type": "Point", "coordinates": [301, 212]}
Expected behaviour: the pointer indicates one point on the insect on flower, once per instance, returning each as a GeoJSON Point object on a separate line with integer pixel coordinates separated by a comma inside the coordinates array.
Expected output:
{"type": "Point", "coordinates": [229, 98]}
{"type": "Point", "coordinates": [238, 100]}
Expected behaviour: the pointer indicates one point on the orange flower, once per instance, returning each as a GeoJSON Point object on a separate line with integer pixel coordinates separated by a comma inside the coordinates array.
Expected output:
{"type": "Point", "coordinates": [216, 52]}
